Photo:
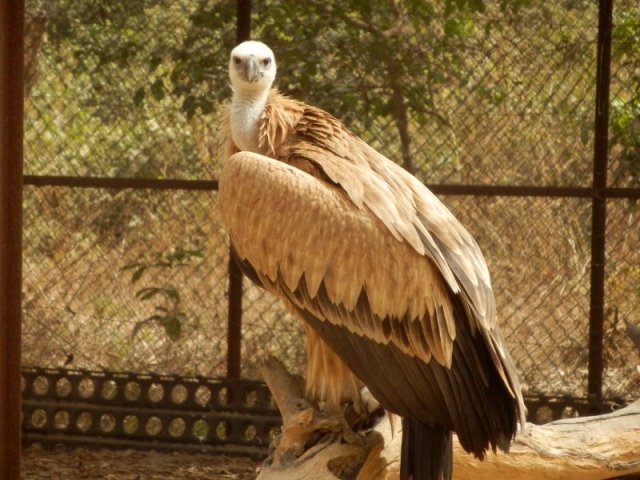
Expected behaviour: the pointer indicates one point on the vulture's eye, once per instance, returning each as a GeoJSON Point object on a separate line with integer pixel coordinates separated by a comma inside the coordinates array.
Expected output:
{"type": "Point", "coordinates": [266, 62]}
{"type": "Point", "coordinates": [237, 60]}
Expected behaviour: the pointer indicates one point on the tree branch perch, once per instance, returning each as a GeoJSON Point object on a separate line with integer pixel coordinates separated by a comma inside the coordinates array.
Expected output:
{"type": "Point", "coordinates": [318, 445]}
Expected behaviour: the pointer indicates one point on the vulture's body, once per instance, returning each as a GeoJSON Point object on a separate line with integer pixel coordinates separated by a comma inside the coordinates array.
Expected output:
{"type": "Point", "coordinates": [394, 292]}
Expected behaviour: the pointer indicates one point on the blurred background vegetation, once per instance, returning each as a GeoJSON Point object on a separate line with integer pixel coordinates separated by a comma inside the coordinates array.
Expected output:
{"type": "Point", "coordinates": [457, 91]}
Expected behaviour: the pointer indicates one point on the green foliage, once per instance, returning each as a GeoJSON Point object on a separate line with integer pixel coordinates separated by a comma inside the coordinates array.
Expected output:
{"type": "Point", "coordinates": [624, 124]}
{"type": "Point", "coordinates": [107, 35]}
{"type": "Point", "coordinates": [369, 63]}
{"type": "Point", "coordinates": [169, 313]}
{"type": "Point", "coordinates": [199, 64]}
{"type": "Point", "coordinates": [104, 103]}
{"type": "Point", "coordinates": [335, 70]}
{"type": "Point", "coordinates": [624, 113]}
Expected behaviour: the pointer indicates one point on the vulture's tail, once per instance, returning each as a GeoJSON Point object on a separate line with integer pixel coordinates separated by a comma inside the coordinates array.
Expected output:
{"type": "Point", "coordinates": [427, 452]}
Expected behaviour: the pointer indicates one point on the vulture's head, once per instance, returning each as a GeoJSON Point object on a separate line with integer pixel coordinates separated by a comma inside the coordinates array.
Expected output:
{"type": "Point", "coordinates": [252, 67]}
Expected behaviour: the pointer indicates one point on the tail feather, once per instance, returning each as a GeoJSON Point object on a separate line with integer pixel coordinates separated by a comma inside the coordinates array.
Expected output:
{"type": "Point", "coordinates": [427, 452]}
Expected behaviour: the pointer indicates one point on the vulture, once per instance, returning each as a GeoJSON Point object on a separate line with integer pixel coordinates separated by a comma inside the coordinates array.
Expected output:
{"type": "Point", "coordinates": [393, 291]}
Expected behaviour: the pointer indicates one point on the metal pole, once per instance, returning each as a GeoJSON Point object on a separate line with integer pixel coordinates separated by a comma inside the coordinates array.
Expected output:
{"type": "Point", "coordinates": [234, 332]}
{"type": "Point", "coordinates": [599, 204]}
{"type": "Point", "coordinates": [243, 20]}
{"type": "Point", "coordinates": [11, 134]}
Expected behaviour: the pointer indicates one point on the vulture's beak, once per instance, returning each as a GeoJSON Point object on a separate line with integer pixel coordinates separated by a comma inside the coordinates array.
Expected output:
{"type": "Point", "coordinates": [251, 71]}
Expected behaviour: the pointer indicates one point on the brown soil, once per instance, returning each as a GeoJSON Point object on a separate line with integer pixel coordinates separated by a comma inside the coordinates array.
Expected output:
{"type": "Point", "coordinates": [83, 464]}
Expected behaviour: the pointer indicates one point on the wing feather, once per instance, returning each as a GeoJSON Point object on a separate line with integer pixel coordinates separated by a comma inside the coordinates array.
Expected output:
{"type": "Point", "coordinates": [251, 220]}
{"type": "Point", "coordinates": [420, 219]}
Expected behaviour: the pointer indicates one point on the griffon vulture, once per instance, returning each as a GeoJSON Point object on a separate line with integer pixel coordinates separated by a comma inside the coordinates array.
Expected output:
{"type": "Point", "coordinates": [392, 289]}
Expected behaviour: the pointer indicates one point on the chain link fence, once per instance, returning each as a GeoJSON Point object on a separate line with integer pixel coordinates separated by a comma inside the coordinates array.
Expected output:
{"type": "Point", "coordinates": [464, 93]}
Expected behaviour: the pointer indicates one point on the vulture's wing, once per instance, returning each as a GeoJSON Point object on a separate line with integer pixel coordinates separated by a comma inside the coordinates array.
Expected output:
{"type": "Point", "coordinates": [383, 272]}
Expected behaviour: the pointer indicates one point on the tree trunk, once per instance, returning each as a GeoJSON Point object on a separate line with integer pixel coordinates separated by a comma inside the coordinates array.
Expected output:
{"type": "Point", "coordinates": [317, 445]}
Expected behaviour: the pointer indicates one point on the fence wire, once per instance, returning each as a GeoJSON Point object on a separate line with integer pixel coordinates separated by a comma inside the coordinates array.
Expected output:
{"type": "Point", "coordinates": [495, 96]}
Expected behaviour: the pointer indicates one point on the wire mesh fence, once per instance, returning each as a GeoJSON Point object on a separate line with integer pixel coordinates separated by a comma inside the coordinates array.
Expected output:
{"type": "Point", "coordinates": [80, 304]}
{"type": "Point", "coordinates": [460, 93]}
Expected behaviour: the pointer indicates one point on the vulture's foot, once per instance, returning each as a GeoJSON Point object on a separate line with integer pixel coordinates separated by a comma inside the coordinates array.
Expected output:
{"type": "Point", "coordinates": [363, 413]}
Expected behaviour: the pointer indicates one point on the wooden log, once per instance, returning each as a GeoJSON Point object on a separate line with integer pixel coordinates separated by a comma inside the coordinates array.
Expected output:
{"type": "Point", "coordinates": [313, 444]}
{"type": "Point", "coordinates": [585, 448]}
{"type": "Point", "coordinates": [319, 445]}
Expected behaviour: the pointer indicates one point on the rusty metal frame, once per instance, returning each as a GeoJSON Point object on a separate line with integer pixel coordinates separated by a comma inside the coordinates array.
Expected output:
{"type": "Point", "coordinates": [440, 189]}
{"type": "Point", "coordinates": [147, 411]}
{"type": "Point", "coordinates": [234, 326]}
{"type": "Point", "coordinates": [11, 135]}
{"type": "Point", "coordinates": [546, 408]}
{"type": "Point", "coordinates": [101, 409]}
{"type": "Point", "coordinates": [599, 202]}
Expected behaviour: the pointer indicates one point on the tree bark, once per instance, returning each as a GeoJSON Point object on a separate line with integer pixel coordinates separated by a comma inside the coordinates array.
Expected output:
{"type": "Point", "coordinates": [318, 445]}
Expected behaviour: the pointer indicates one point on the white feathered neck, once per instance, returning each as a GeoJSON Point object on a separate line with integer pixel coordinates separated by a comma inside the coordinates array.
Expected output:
{"type": "Point", "coordinates": [247, 109]}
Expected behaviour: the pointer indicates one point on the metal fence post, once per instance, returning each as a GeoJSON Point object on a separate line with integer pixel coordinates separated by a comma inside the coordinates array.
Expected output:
{"type": "Point", "coordinates": [599, 205]}
{"type": "Point", "coordinates": [243, 20]}
{"type": "Point", "coordinates": [234, 336]}
{"type": "Point", "coordinates": [11, 135]}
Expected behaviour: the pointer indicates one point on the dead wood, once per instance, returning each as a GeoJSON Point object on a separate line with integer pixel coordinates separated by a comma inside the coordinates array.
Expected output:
{"type": "Point", "coordinates": [317, 445]}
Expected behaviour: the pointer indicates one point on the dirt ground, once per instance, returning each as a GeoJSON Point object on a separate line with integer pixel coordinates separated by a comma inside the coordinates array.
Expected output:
{"type": "Point", "coordinates": [63, 464]}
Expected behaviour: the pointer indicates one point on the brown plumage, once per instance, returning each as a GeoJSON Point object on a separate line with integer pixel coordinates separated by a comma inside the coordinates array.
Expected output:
{"type": "Point", "coordinates": [393, 290]}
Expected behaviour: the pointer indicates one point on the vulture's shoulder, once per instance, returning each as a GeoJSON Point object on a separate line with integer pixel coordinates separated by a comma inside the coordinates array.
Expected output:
{"type": "Point", "coordinates": [287, 120]}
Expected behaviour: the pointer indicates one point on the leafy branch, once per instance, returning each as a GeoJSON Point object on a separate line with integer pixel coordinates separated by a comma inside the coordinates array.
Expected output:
{"type": "Point", "coordinates": [169, 313]}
